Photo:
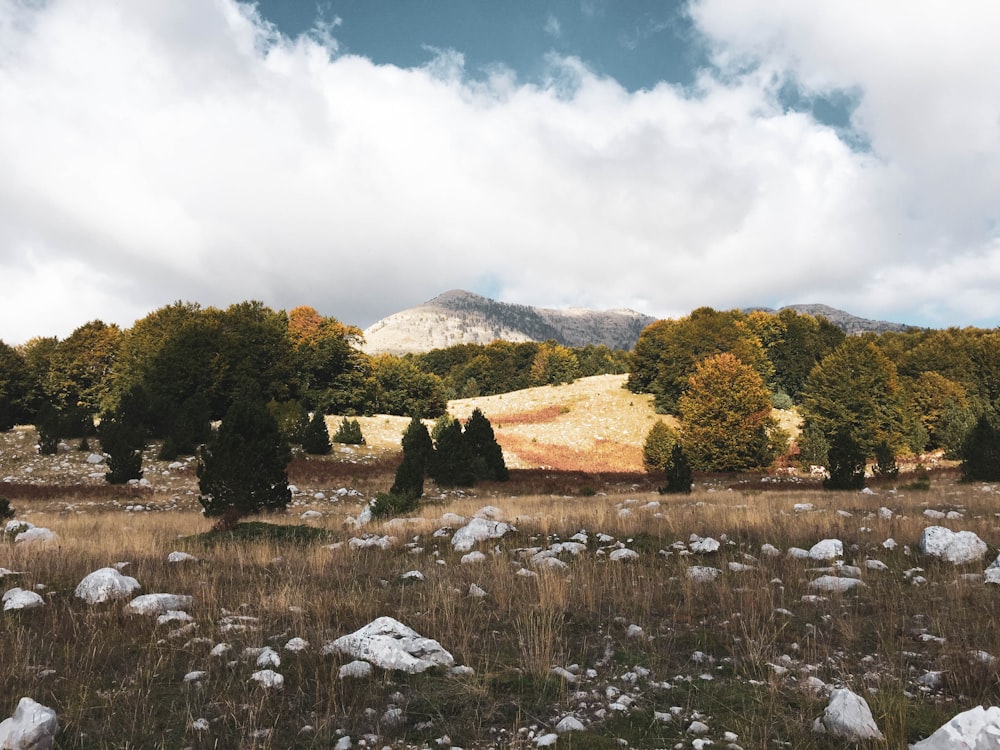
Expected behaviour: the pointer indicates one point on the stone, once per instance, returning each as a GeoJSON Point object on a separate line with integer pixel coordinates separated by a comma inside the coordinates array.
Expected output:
{"type": "Point", "coordinates": [181, 557]}
{"type": "Point", "coordinates": [702, 574]}
{"type": "Point", "coordinates": [848, 717]}
{"type": "Point", "coordinates": [828, 549]}
{"type": "Point", "coordinates": [295, 645]}
{"type": "Point", "coordinates": [158, 604]}
{"type": "Point", "coordinates": [992, 573]}
{"type": "Point", "coordinates": [704, 546]}
{"type": "Point", "coordinates": [478, 530]}
{"type": "Point", "coordinates": [389, 644]}
{"type": "Point", "coordinates": [32, 727]}
{"type": "Point", "coordinates": [623, 555]}
{"type": "Point", "coordinates": [268, 679]}
{"type": "Point", "coordinates": [835, 584]}
{"type": "Point", "coordinates": [355, 670]}
{"type": "Point", "coordinates": [975, 729]}
{"type": "Point", "coordinates": [18, 598]}
{"type": "Point", "coordinates": [105, 584]}
{"type": "Point", "coordinates": [36, 534]}
{"type": "Point", "coordinates": [957, 547]}
{"type": "Point", "coordinates": [569, 724]}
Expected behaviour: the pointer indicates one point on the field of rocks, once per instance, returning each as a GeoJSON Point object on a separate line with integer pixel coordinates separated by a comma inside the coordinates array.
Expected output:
{"type": "Point", "coordinates": [580, 611]}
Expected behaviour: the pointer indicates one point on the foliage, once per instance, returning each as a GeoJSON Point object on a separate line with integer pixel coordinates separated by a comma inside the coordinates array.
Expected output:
{"type": "Point", "coordinates": [781, 400]}
{"type": "Point", "coordinates": [188, 427]}
{"type": "Point", "coordinates": [349, 432]}
{"type": "Point", "coordinates": [486, 455]}
{"type": "Point", "coordinates": [885, 462]}
{"type": "Point", "coordinates": [5, 510]}
{"type": "Point", "coordinates": [48, 425]}
{"type": "Point", "coordinates": [451, 464]}
{"type": "Point", "coordinates": [813, 446]}
{"type": "Point", "coordinates": [658, 447]}
{"type": "Point", "coordinates": [15, 388]}
{"type": "Point", "coordinates": [292, 419]}
{"type": "Point", "coordinates": [846, 463]}
{"type": "Point", "coordinates": [81, 365]}
{"type": "Point", "coordinates": [242, 469]}
{"type": "Point", "coordinates": [402, 389]}
{"type": "Point", "coordinates": [942, 407]}
{"type": "Point", "coordinates": [726, 416]}
{"type": "Point", "coordinates": [803, 341]}
{"type": "Point", "coordinates": [678, 473]}
{"type": "Point", "coordinates": [553, 364]}
{"type": "Point", "coordinates": [669, 350]}
{"type": "Point", "coordinates": [418, 450]}
{"type": "Point", "coordinates": [123, 438]}
{"type": "Point", "coordinates": [316, 436]}
{"type": "Point", "coordinates": [855, 388]}
{"type": "Point", "coordinates": [981, 452]}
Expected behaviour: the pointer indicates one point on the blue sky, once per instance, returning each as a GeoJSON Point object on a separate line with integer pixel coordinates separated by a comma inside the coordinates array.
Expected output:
{"type": "Point", "coordinates": [364, 156]}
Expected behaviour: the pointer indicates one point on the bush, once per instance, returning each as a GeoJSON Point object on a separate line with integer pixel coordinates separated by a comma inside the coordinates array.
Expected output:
{"type": "Point", "coordinates": [659, 446]}
{"type": "Point", "coordinates": [316, 437]}
{"type": "Point", "coordinates": [48, 425]}
{"type": "Point", "coordinates": [292, 419]}
{"type": "Point", "coordinates": [981, 452]}
{"type": "Point", "coordinates": [781, 400]}
{"type": "Point", "coordinates": [242, 469]}
{"type": "Point", "coordinates": [417, 452]}
{"type": "Point", "coordinates": [5, 510]}
{"type": "Point", "coordinates": [847, 464]}
{"type": "Point", "coordinates": [349, 433]}
{"type": "Point", "coordinates": [678, 473]}
{"type": "Point", "coordinates": [387, 504]}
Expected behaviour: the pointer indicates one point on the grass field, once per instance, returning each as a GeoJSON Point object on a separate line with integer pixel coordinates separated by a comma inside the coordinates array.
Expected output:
{"type": "Point", "coordinates": [641, 650]}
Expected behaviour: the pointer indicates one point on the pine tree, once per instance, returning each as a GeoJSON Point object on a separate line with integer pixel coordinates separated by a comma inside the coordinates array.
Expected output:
{"type": "Point", "coordinates": [123, 438]}
{"type": "Point", "coordinates": [678, 473]}
{"type": "Point", "coordinates": [48, 425]}
{"type": "Point", "coordinates": [349, 433]}
{"type": "Point", "coordinates": [847, 463]}
{"type": "Point", "coordinates": [408, 487]}
{"type": "Point", "coordinates": [242, 469]}
{"type": "Point", "coordinates": [451, 464]}
{"type": "Point", "coordinates": [316, 437]}
{"type": "Point", "coordinates": [486, 453]}
{"type": "Point", "coordinates": [885, 462]}
{"type": "Point", "coordinates": [981, 452]}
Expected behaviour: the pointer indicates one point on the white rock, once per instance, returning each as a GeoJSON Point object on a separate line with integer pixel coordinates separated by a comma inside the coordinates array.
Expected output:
{"type": "Point", "coordinates": [452, 519]}
{"type": "Point", "coordinates": [704, 546]}
{"type": "Point", "coordinates": [473, 557]}
{"type": "Point", "coordinates": [975, 729]}
{"type": "Point", "coordinates": [553, 564]}
{"type": "Point", "coordinates": [848, 717]}
{"type": "Point", "coordinates": [295, 645]}
{"type": "Point", "coordinates": [828, 549]}
{"type": "Point", "coordinates": [769, 550]}
{"type": "Point", "coordinates": [196, 676]}
{"type": "Point", "coordinates": [569, 724]}
{"type": "Point", "coordinates": [36, 534]}
{"type": "Point", "coordinates": [157, 604]}
{"type": "Point", "coordinates": [476, 591]}
{"type": "Point", "coordinates": [478, 530]}
{"type": "Point", "coordinates": [634, 631]}
{"type": "Point", "coordinates": [834, 584]}
{"type": "Point", "coordinates": [18, 598]}
{"type": "Point", "coordinates": [992, 572]}
{"type": "Point", "coordinates": [797, 553]}
{"type": "Point", "coordinates": [412, 575]}
{"type": "Point", "coordinates": [181, 557]}
{"type": "Point", "coordinates": [105, 584]}
{"type": "Point", "coordinates": [697, 727]}
{"type": "Point", "coordinates": [389, 644]}
{"type": "Point", "coordinates": [956, 547]}
{"type": "Point", "coordinates": [876, 565]}
{"type": "Point", "coordinates": [623, 555]}
{"type": "Point", "coordinates": [355, 670]}
{"type": "Point", "coordinates": [702, 574]}
{"type": "Point", "coordinates": [95, 458]}
{"type": "Point", "coordinates": [490, 512]}
{"type": "Point", "coordinates": [268, 657]}
{"type": "Point", "coordinates": [32, 727]}
{"type": "Point", "coordinates": [173, 615]}
{"type": "Point", "coordinates": [546, 739]}
{"type": "Point", "coordinates": [311, 515]}
{"type": "Point", "coordinates": [344, 743]}
{"type": "Point", "coordinates": [14, 526]}
{"type": "Point", "coordinates": [200, 725]}
{"type": "Point", "coordinates": [803, 507]}
{"type": "Point", "coordinates": [935, 514]}
{"type": "Point", "coordinates": [268, 679]}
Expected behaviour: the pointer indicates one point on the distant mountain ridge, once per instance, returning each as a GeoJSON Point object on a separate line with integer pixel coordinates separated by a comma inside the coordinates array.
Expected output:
{"type": "Point", "coordinates": [460, 317]}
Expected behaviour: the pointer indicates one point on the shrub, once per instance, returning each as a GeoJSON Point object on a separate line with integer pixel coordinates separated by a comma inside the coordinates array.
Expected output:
{"type": "Point", "coordinates": [847, 463]}
{"type": "Point", "coordinates": [123, 441]}
{"type": "Point", "coordinates": [388, 504]}
{"type": "Point", "coordinates": [659, 445]}
{"type": "Point", "coordinates": [678, 473]}
{"type": "Point", "coordinates": [242, 469]}
{"type": "Point", "coordinates": [349, 433]}
{"type": "Point", "coordinates": [316, 437]}
{"type": "Point", "coordinates": [885, 462]}
{"type": "Point", "coordinates": [417, 452]}
{"type": "Point", "coordinates": [813, 446]}
{"type": "Point", "coordinates": [781, 400]}
{"type": "Point", "coordinates": [48, 425]}
{"type": "Point", "coordinates": [5, 510]}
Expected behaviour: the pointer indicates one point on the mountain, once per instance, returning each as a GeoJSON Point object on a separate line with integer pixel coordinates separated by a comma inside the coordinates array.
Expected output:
{"type": "Point", "coordinates": [849, 324]}
{"type": "Point", "coordinates": [459, 317]}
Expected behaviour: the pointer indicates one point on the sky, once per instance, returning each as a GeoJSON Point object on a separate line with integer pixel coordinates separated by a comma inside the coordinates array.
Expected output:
{"type": "Point", "coordinates": [363, 156]}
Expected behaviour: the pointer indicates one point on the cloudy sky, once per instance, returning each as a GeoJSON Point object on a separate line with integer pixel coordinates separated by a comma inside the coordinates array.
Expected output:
{"type": "Point", "coordinates": [363, 156]}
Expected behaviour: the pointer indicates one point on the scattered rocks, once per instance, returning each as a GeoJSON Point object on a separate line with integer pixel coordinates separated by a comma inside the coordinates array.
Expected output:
{"type": "Point", "coordinates": [958, 547]}
{"type": "Point", "coordinates": [105, 584]}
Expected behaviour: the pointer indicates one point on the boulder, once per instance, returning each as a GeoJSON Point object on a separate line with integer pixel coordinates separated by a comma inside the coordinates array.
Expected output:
{"type": "Point", "coordinates": [828, 549]}
{"type": "Point", "coordinates": [992, 573]}
{"type": "Point", "coordinates": [703, 574]}
{"type": "Point", "coordinates": [975, 729]}
{"type": "Point", "coordinates": [478, 530]}
{"type": "Point", "coordinates": [18, 598]}
{"type": "Point", "coordinates": [36, 534]}
{"type": "Point", "coordinates": [957, 547]}
{"type": "Point", "coordinates": [181, 557]}
{"type": "Point", "coordinates": [389, 644]}
{"type": "Point", "coordinates": [32, 727]}
{"type": "Point", "coordinates": [157, 604]}
{"type": "Point", "coordinates": [848, 717]}
{"type": "Point", "coordinates": [105, 584]}
{"type": "Point", "coordinates": [834, 584]}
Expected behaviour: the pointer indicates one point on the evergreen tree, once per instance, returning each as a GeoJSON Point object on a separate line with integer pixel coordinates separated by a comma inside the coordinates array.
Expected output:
{"type": "Point", "coordinates": [242, 469]}
{"type": "Point", "coordinates": [123, 438]}
{"type": "Point", "coordinates": [678, 473]}
{"type": "Point", "coordinates": [814, 448]}
{"type": "Point", "coordinates": [349, 433]}
{"type": "Point", "coordinates": [188, 427]}
{"type": "Point", "coordinates": [885, 462]}
{"type": "Point", "coordinates": [485, 452]}
{"type": "Point", "coordinates": [452, 461]}
{"type": "Point", "coordinates": [981, 452]}
{"type": "Point", "coordinates": [847, 463]}
{"type": "Point", "coordinates": [316, 438]}
{"type": "Point", "coordinates": [417, 452]}
{"type": "Point", "coordinates": [48, 425]}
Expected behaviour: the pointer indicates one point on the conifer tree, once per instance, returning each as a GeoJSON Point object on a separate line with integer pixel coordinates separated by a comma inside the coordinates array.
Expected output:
{"type": "Point", "coordinates": [847, 463]}
{"type": "Point", "coordinates": [451, 464]}
{"type": "Point", "coordinates": [486, 453]}
{"type": "Point", "coordinates": [417, 451]}
{"type": "Point", "coordinates": [981, 452]}
{"type": "Point", "coordinates": [349, 433]}
{"type": "Point", "coordinates": [678, 473]}
{"type": "Point", "coordinates": [658, 447]}
{"type": "Point", "coordinates": [123, 438]}
{"type": "Point", "coordinates": [316, 437]}
{"type": "Point", "coordinates": [242, 469]}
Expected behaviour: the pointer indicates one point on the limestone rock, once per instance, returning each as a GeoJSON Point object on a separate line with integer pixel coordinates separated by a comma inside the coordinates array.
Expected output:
{"type": "Point", "coordinates": [105, 584]}
{"type": "Point", "coordinates": [848, 717]}
{"type": "Point", "coordinates": [389, 644]}
{"type": "Point", "coordinates": [32, 727]}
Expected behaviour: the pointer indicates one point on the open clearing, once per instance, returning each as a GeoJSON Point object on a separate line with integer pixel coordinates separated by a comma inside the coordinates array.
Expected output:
{"type": "Point", "coordinates": [600, 604]}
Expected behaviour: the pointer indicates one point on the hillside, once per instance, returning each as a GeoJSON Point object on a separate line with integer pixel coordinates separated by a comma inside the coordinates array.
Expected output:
{"type": "Point", "coordinates": [459, 317]}
{"type": "Point", "coordinates": [845, 321]}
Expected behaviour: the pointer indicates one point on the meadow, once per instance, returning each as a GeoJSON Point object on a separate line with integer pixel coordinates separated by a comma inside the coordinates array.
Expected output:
{"type": "Point", "coordinates": [620, 632]}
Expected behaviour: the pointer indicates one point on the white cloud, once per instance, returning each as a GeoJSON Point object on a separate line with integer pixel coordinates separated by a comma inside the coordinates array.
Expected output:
{"type": "Point", "coordinates": [160, 151]}
{"type": "Point", "coordinates": [552, 26]}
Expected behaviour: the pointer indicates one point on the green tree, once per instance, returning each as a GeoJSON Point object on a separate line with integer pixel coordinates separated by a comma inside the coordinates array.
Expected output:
{"type": "Point", "coordinates": [678, 473]}
{"type": "Point", "coordinates": [669, 350]}
{"type": "Point", "coordinates": [48, 426]}
{"type": "Point", "coordinates": [554, 364]}
{"type": "Point", "coordinates": [417, 453]}
{"type": "Point", "coordinates": [15, 388]}
{"type": "Point", "coordinates": [451, 464]}
{"type": "Point", "coordinates": [814, 448]}
{"type": "Point", "coordinates": [81, 367]}
{"type": "Point", "coordinates": [485, 453]}
{"type": "Point", "coordinates": [803, 342]}
{"type": "Point", "coordinates": [292, 419]}
{"type": "Point", "coordinates": [847, 463]}
{"type": "Point", "coordinates": [658, 447]}
{"type": "Point", "coordinates": [242, 469]}
{"type": "Point", "coordinates": [938, 403]}
{"type": "Point", "coordinates": [123, 438]}
{"type": "Point", "coordinates": [726, 416]}
{"type": "Point", "coordinates": [316, 437]}
{"type": "Point", "coordinates": [349, 432]}
{"type": "Point", "coordinates": [406, 391]}
{"type": "Point", "coordinates": [885, 462]}
{"type": "Point", "coordinates": [855, 388]}
{"type": "Point", "coordinates": [187, 427]}
{"type": "Point", "coordinates": [981, 452]}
